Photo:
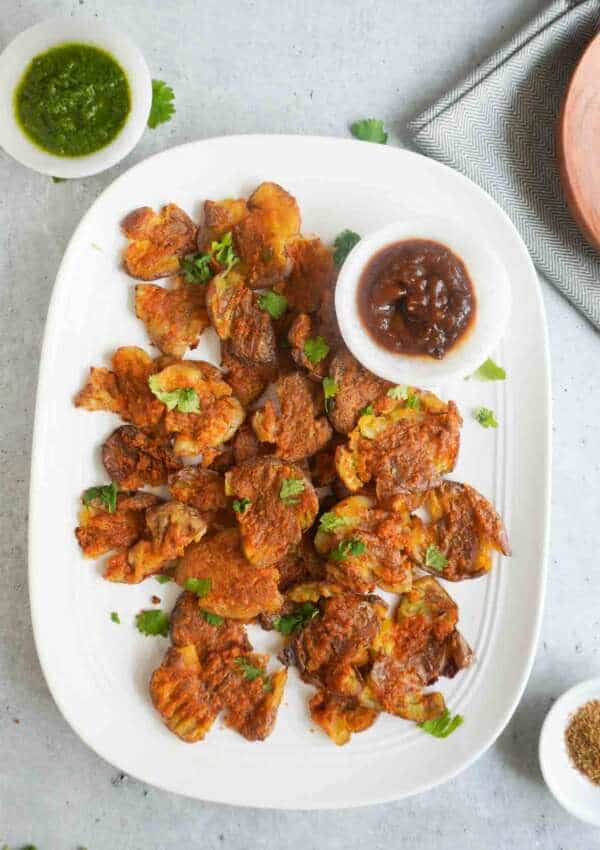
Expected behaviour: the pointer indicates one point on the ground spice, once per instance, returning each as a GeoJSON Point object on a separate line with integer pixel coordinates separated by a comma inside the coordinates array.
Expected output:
{"type": "Point", "coordinates": [583, 740]}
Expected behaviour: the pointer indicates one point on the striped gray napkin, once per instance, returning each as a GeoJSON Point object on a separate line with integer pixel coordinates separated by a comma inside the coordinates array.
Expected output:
{"type": "Point", "coordinates": [498, 127]}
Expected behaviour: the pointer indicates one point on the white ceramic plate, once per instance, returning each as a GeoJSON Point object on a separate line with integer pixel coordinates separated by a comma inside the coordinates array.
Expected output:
{"type": "Point", "coordinates": [98, 672]}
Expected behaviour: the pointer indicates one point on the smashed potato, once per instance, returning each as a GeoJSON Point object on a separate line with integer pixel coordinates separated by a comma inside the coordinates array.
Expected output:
{"type": "Point", "coordinates": [174, 318]}
{"type": "Point", "coordinates": [357, 388]}
{"type": "Point", "coordinates": [298, 430]}
{"type": "Point", "coordinates": [404, 446]}
{"type": "Point", "coordinates": [157, 241]}
{"type": "Point", "coordinates": [99, 531]}
{"type": "Point", "coordinates": [312, 274]}
{"type": "Point", "coordinates": [188, 626]}
{"type": "Point", "coordinates": [203, 489]}
{"type": "Point", "coordinates": [219, 218]}
{"type": "Point", "coordinates": [237, 589]}
{"type": "Point", "coordinates": [237, 317]}
{"type": "Point", "coordinates": [280, 504]}
{"type": "Point", "coordinates": [247, 380]}
{"type": "Point", "coordinates": [133, 458]}
{"type": "Point", "coordinates": [340, 718]}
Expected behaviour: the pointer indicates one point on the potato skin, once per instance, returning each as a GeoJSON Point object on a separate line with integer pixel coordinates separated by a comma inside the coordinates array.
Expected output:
{"type": "Point", "coordinates": [132, 458]}
{"type": "Point", "coordinates": [188, 626]}
{"type": "Point", "coordinates": [157, 241]}
{"type": "Point", "coordinates": [340, 718]}
{"type": "Point", "coordinates": [357, 388]}
{"type": "Point", "coordinates": [174, 318]}
{"type": "Point", "coordinates": [99, 531]}
{"type": "Point", "coordinates": [312, 274]}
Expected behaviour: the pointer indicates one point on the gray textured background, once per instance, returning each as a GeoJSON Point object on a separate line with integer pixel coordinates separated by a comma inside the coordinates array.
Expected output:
{"type": "Point", "coordinates": [297, 68]}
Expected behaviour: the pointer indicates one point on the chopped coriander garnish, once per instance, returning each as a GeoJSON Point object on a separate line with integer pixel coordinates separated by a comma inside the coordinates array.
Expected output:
{"type": "Point", "coordinates": [435, 559]}
{"type": "Point", "coordinates": [196, 268]}
{"type": "Point", "coordinates": [332, 522]}
{"type": "Point", "coordinates": [107, 494]}
{"type": "Point", "coordinates": [369, 130]}
{"type": "Point", "coordinates": [486, 417]}
{"type": "Point", "coordinates": [162, 579]}
{"type": "Point", "coordinates": [240, 505]}
{"type": "Point", "coordinates": [273, 303]}
{"type": "Point", "coordinates": [153, 622]}
{"type": "Point", "coordinates": [185, 399]}
{"type": "Point", "coordinates": [490, 371]}
{"type": "Point", "coordinates": [343, 244]}
{"type": "Point", "coordinates": [199, 586]}
{"type": "Point", "coordinates": [366, 411]}
{"type": "Point", "coordinates": [301, 615]}
{"type": "Point", "coordinates": [290, 488]}
{"type": "Point", "coordinates": [441, 727]}
{"type": "Point", "coordinates": [115, 617]}
{"type": "Point", "coordinates": [347, 549]}
{"type": "Point", "coordinates": [316, 349]}
{"type": "Point", "coordinates": [162, 108]}
{"type": "Point", "coordinates": [213, 619]}
{"type": "Point", "coordinates": [330, 389]}
{"type": "Point", "coordinates": [250, 672]}
{"type": "Point", "coordinates": [59, 179]}
{"type": "Point", "coordinates": [413, 401]}
{"type": "Point", "coordinates": [224, 252]}
{"type": "Point", "coordinates": [400, 392]}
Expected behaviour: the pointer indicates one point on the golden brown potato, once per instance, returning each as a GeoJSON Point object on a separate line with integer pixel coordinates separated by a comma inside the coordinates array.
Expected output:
{"type": "Point", "coordinates": [174, 318]}
{"type": "Point", "coordinates": [251, 705]}
{"type": "Point", "coordinates": [246, 445]}
{"type": "Point", "coordinates": [101, 392]}
{"type": "Point", "coordinates": [467, 530]}
{"type": "Point", "coordinates": [281, 504]}
{"type": "Point", "coordinates": [340, 718]}
{"type": "Point", "coordinates": [100, 531]}
{"type": "Point", "coordinates": [392, 687]}
{"type": "Point", "coordinates": [237, 589]}
{"type": "Point", "coordinates": [157, 241]}
{"type": "Point", "coordinates": [170, 528]}
{"type": "Point", "coordinates": [219, 218]}
{"type": "Point", "coordinates": [247, 380]}
{"type": "Point", "coordinates": [357, 388]}
{"type": "Point", "coordinates": [223, 296]}
{"type": "Point", "coordinates": [261, 237]}
{"type": "Point", "coordinates": [203, 489]}
{"type": "Point", "coordinates": [132, 458]}
{"type": "Point", "coordinates": [303, 329]}
{"type": "Point", "coordinates": [404, 446]}
{"type": "Point", "coordinates": [189, 626]}
{"type": "Point", "coordinates": [313, 272]}
{"type": "Point", "coordinates": [298, 430]}
{"type": "Point", "coordinates": [237, 317]}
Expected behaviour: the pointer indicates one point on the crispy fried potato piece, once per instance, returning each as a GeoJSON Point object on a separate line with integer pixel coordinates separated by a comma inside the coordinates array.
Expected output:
{"type": "Point", "coordinates": [270, 524]}
{"type": "Point", "coordinates": [467, 530]}
{"type": "Point", "coordinates": [313, 272]}
{"type": "Point", "coordinates": [174, 318]}
{"type": "Point", "coordinates": [100, 531]}
{"type": "Point", "coordinates": [157, 241]}
{"type": "Point", "coordinates": [183, 700]}
{"type": "Point", "coordinates": [392, 687]}
{"type": "Point", "coordinates": [223, 296]}
{"type": "Point", "coordinates": [188, 626]}
{"type": "Point", "coordinates": [251, 704]}
{"type": "Point", "coordinates": [101, 392]}
{"type": "Point", "coordinates": [298, 431]}
{"type": "Point", "coordinates": [246, 445]}
{"type": "Point", "coordinates": [219, 218]}
{"type": "Point", "coordinates": [247, 380]}
{"type": "Point", "coordinates": [132, 458]}
{"type": "Point", "coordinates": [236, 316]}
{"type": "Point", "coordinates": [261, 237]}
{"type": "Point", "coordinates": [301, 330]}
{"type": "Point", "coordinates": [203, 489]}
{"type": "Point", "coordinates": [405, 446]}
{"type": "Point", "coordinates": [357, 388]}
{"type": "Point", "coordinates": [170, 527]}
{"type": "Point", "coordinates": [238, 590]}
{"type": "Point", "coordinates": [340, 718]}
{"type": "Point", "coordinates": [322, 464]}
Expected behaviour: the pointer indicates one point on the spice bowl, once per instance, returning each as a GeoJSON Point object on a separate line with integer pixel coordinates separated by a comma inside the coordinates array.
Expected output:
{"type": "Point", "coordinates": [573, 790]}
{"type": "Point", "coordinates": [56, 32]}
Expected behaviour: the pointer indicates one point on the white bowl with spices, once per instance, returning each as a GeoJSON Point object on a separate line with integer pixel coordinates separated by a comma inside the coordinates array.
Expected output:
{"type": "Point", "coordinates": [59, 112]}
{"type": "Point", "coordinates": [573, 789]}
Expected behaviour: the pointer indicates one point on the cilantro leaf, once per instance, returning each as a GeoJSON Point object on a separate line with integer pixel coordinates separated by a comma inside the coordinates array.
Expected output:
{"type": "Point", "coordinates": [330, 389]}
{"type": "Point", "coordinates": [153, 622]}
{"type": "Point", "coordinates": [486, 417]}
{"type": "Point", "coordinates": [224, 252]}
{"type": "Point", "coordinates": [196, 268]}
{"type": "Point", "coordinates": [316, 349]}
{"type": "Point", "coordinates": [366, 411]}
{"type": "Point", "coordinates": [301, 615]}
{"type": "Point", "coordinates": [344, 243]}
{"type": "Point", "coordinates": [441, 727]}
{"type": "Point", "coordinates": [199, 586]}
{"type": "Point", "coordinates": [435, 559]}
{"type": "Point", "coordinates": [347, 549]}
{"type": "Point", "coordinates": [107, 494]}
{"type": "Point", "coordinates": [115, 617]}
{"type": "Point", "coordinates": [332, 522]}
{"type": "Point", "coordinates": [59, 179]}
{"type": "Point", "coordinates": [162, 108]}
{"type": "Point", "coordinates": [185, 399]}
{"type": "Point", "coordinates": [250, 672]}
{"type": "Point", "coordinates": [398, 393]}
{"type": "Point", "coordinates": [240, 505]}
{"type": "Point", "coordinates": [413, 401]}
{"type": "Point", "coordinates": [490, 371]}
{"type": "Point", "coordinates": [369, 130]}
{"type": "Point", "coordinates": [291, 487]}
{"type": "Point", "coordinates": [273, 303]}
{"type": "Point", "coordinates": [213, 619]}
{"type": "Point", "coordinates": [163, 579]}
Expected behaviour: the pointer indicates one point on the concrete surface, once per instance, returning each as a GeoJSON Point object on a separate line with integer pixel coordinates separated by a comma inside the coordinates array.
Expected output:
{"type": "Point", "coordinates": [298, 68]}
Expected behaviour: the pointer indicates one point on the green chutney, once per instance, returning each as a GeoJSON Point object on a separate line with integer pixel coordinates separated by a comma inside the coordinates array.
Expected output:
{"type": "Point", "coordinates": [72, 100]}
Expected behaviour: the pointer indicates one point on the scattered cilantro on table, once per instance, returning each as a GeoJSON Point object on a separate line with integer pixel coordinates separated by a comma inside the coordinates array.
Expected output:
{"type": "Point", "coordinates": [369, 130]}
{"type": "Point", "coordinates": [115, 618]}
{"type": "Point", "coordinates": [344, 243]}
{"type": "Point", "coordinates": [163, 107]}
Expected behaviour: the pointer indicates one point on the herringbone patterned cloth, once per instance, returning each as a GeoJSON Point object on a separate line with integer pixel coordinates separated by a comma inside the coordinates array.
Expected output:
{"type": "Point", "coordinates": [498, 128]}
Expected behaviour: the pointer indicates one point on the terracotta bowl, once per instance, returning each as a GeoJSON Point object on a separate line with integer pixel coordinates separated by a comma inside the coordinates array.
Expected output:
{"type": "Point", "coordinates": [579, 143]}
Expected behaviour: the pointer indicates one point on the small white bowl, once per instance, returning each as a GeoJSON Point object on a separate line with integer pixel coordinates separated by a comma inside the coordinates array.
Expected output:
{"type": "Point", "coordinates": [52, 33]}
{"type": "Point", "coordinates": [577, 794]}
{"type": "Point", "coordinates": [492, 293]}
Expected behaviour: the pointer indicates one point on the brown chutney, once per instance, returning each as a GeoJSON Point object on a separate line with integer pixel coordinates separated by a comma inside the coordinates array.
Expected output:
{"type": "Point", "coordinates": [415, 297]}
